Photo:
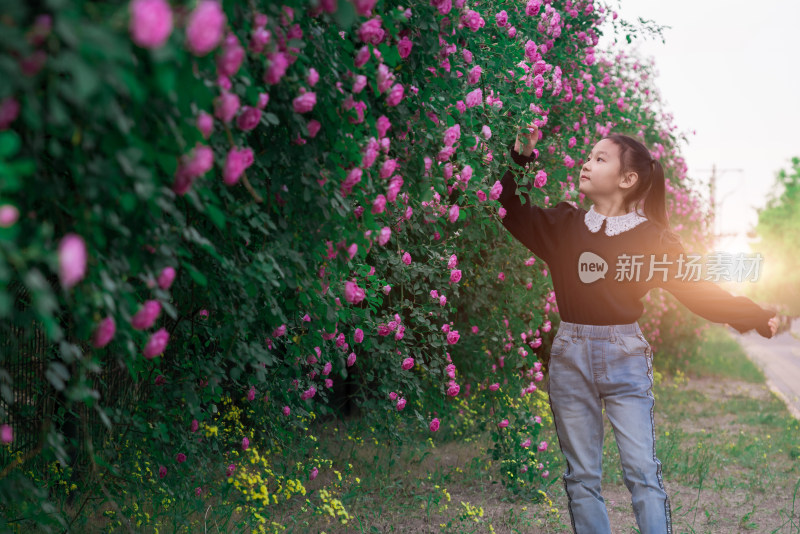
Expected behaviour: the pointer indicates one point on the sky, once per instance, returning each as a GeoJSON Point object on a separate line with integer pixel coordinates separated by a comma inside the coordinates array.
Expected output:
{"type": "Point", "coordinates": [730, 72]}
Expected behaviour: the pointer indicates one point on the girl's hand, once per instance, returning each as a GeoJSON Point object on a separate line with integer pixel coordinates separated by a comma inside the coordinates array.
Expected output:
{"type": "Point", "coordinates": [773, 324]}
{"type": "Point", "coordinates": [526, 140]}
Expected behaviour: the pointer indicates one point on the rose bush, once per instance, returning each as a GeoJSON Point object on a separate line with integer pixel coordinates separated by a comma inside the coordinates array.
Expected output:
{"type": "Point", "coordinates": [253, 216]}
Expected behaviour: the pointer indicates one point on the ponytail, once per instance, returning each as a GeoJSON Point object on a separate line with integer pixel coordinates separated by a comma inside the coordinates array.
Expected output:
{"type": "Point", "coordinates": [655, 204]}
{"type": "Point", "coordinates": [650, 187]}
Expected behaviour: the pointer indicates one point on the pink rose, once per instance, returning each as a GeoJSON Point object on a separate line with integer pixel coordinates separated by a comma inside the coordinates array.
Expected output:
{"type": "Point", "coordinates": [452, 337]}
{"type": "Point", "coordinates": [72, 259]}
{"type": "Point", "coordinates": [404, 47]}
{"type": "Point", "coordinates": [352, 293]}
{"type": "Point", "coordinates": [150, 22]}
{"type": "Point", "coordinates": [496, 191]}
{"type": "Point", "coordinates": [313, 77]}
{"type": "Point", "coordinates": [166, 277]}
{"type": "Point", "coordinates": [474, 98]}
{"type": "Point", "coordinates": [454, 212]}
{"type": "Point", "coordinates": [384, 235]}
{"type": "Point", "coordinates": [205, 123]}
{"type": "Point", "coordinates": [473, 20]}
{"type": "Point", "coordinates": [236, 162]}
{"type": "Point", "coordinates": [383, 124]}
{"type": "Point", "coordinates": [452, 134]}
{"type": "Point", "coordinates": [305, 102]}
{"type": "Point", "coordinates": [146, 315]}
{"type": "Point", "coordinates": [204, 27]}
{"type": "Point", "coordinates": [394, 187]}
{"type": "Point", "coordinates": [198, 162]}
{"type": "Point", "coordinates": [364, 7]}
{"type": "Point", "coordinates": [379, 205]}
{"type": "Point", "coordinates": [395, 96]}
{"type": "Point", "coordinates": [249, 118]}
{"type": "Point", "coordinates": [6, 434]}
{"type": "Point", "coordinates": [225, 106]}
{"type": "Point", "coordinates": [371, 31]}
{"type": "Point", "coordinates": [385, 78]}
{"type": "Point", "coordinates": [370, 153]}
{"type": "Point", "coordinates": [277, 67]}
{"type": "Point", "coordinates": [259, 40]}
{"type": "Point", "coordinates": [532, 7]}
{"type": "Point", "coordinates": [8, 215]}
{"type": "Point", "coordinates": [434, 426]}
{"type": "Point", "coordinates": [229, 61]}
{"type": "Point", "coordinates": [474, 75]}
{"type": "Point", "coordinates": [362, 56]}
{"type": "Point", "coordinates": [407, 364]}
{"type": "Point", "coordinates": [156, 344]}
{"type": "Point", "coordinates": [388, 167]}
{"type": "Point", "coordinates": [359, 84]}
{"type": "Point", "coordinates": [104, 332]}
{"type": "Point", "coordinates": [313, 127]}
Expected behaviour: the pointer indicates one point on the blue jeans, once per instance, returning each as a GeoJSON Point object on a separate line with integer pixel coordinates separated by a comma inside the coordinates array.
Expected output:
{"type": "Point", "coordinates": [613, 363]}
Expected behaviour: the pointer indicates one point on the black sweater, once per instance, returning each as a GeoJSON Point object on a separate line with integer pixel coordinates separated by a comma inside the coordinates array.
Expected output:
{"type": "Point", "coordinates": [559, 236]}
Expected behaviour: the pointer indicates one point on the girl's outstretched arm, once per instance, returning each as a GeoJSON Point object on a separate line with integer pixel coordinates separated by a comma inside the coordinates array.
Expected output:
{"type": "Point", "coordinates": [535, 227]}
{"type": "Point", "coordinates": [710, 301]}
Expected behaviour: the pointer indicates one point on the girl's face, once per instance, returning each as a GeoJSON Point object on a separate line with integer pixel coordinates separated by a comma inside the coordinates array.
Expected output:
{"type": "Point", "coordinates": [601, 177]}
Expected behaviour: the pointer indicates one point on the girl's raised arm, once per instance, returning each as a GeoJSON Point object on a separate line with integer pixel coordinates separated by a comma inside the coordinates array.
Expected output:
{"type": "Point", "coordinates": [535, 227]}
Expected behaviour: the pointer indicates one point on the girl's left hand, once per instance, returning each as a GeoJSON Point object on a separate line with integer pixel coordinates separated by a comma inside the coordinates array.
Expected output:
{"type": "Point", "coordinates": [773, 324]}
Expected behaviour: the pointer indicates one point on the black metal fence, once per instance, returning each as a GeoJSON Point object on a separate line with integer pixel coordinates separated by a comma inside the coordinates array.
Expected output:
{"type": "Point", "coordinates": [33, 406]}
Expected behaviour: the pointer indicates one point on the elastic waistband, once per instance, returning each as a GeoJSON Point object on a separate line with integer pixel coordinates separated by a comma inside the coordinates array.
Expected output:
{"type": "Point", "coordinates": [599, 330]}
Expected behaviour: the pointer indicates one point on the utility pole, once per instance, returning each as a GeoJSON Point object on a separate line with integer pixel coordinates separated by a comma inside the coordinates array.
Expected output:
{"type": "Point", "coordinates": [712, 191]}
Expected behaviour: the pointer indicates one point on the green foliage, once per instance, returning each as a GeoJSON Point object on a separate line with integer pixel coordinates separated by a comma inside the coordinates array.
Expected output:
{"type": "Point", "coordinates": [779, 281]}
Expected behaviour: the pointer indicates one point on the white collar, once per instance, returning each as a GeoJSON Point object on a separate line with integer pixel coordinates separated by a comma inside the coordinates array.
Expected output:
{"type": "Point", "coordinates": [614, 225]}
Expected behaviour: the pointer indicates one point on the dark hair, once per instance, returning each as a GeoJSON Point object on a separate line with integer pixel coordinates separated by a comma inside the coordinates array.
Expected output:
{"type": "Point", "coordinates": [650, 187]}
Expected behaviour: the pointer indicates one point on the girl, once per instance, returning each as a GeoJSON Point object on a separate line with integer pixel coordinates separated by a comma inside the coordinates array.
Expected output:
{"type": "Point", "coordinates": [603, 261]}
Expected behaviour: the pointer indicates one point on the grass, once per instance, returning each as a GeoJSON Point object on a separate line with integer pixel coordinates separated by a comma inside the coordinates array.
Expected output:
{"type": "Point", "coordinates": [729, 448]}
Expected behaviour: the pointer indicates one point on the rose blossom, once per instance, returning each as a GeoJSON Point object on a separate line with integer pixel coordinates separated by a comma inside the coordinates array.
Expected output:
{"type": "Point", "coordinates": [71, 260]}
{"type": "Point", "coordinates": [150, 22]}
{"type": "Point", "coordinates": [204, 27]}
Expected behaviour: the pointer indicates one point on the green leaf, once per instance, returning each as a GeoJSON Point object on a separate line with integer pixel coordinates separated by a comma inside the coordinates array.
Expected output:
{"type": "Point", "coordinates": [166, 76]}
{"type": "Point", "coordinates": [57, 374]}
{"type": "Point", "coordinates": [216, 215]}
{"type": "Point", "coordinates": [196, 275]}
{"type": "Point", "coordinates": [9, 143]}
{"type": "Point", "coordinates": [272, 119]}
{"type": "Point", "coordinates": [345, 16]}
